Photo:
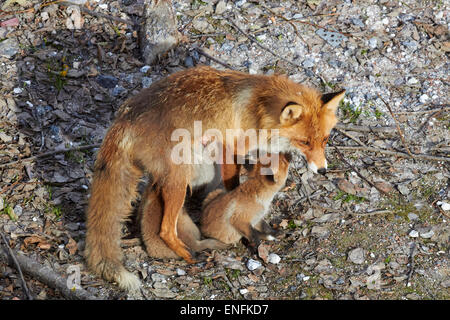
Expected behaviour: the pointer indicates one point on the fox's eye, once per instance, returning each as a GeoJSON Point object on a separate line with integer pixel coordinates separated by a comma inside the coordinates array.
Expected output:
{"type": "Point", "coordinates": [325, 139]}
{"type": "Point", "coordinates": [304, 142]}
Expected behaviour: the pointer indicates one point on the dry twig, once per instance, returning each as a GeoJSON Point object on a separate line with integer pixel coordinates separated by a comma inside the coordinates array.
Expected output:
{"type": "Point", "coordinates": [394, 153]}
{"type": "Point", "coordinates": [17, 266]}
{"type": "Point", "coordinates": [47, 154]}
{"type": "Point", "coordinates": [357, 172]}
{"type": "Point", "coordinates": [398, 127]}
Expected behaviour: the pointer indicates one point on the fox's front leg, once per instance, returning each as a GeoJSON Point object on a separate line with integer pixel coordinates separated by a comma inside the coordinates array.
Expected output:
{"type": "Point", "coordinates": [268, 232]}
{"type": "Point", "coordinates": [230, 171]}
{"type": "Point", "coordinates": [173, 194]}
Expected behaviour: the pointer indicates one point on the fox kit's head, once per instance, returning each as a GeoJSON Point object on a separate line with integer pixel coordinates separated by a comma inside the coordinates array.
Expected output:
{"type": "Point", "coordinates": [306, 121]}
{"type": "Point", "coordinates": [271, 168]}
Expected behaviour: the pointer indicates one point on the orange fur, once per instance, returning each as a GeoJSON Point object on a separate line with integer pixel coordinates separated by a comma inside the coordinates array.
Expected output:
{"type": "Point", "coordinates": [139, 141]}
{"type": "Point", "coordinates": [239, 213]}
{"type": "Point", "coordinates": [150, 216]}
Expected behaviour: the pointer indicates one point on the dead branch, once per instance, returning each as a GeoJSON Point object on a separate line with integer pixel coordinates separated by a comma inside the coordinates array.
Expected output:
{"type": "Point", "coordinates": [50, 153]}
{"type": "Point", "coordinates": [351, 137]}
{"type": "Point", "coordinates": [47, 276]}
{"type": "Point", "coordinates": [394, 153]}
{"type": "Point", "coordinates": [203, 53]}
{"type": "Point", "coordinates": [398, 127]}
{"type": "Point", "coordinates": [357, 172]}
{"type": "Point", "coordinates": [17, 266]}
{"type": "Point", "coordinates": [351, 127]}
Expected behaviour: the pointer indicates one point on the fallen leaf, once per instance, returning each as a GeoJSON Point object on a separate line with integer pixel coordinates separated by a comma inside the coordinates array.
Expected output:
{"type": "Point", "coordinates": [14, 22]}
{"type": "Point", "coordinates": [30, 240]}
{"type": "Point", "coordinates": [284, 223]}
{"type": "Point", "coordinates": [72, 246]}
{"type": "Point", "coordinates": [44, 245]}
{"type": "Point", "coordinates": [263, 252]}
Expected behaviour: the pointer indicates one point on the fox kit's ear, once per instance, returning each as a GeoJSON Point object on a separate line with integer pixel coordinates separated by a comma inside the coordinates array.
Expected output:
{"type": "Point", "coordinates": [291, 112]}
{"type": "Point", "coordinates": [331, 100]}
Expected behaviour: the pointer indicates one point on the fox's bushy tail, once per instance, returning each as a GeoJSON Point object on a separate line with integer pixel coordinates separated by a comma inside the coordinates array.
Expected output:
{"type": "Point", "coordinates": [113, 188]}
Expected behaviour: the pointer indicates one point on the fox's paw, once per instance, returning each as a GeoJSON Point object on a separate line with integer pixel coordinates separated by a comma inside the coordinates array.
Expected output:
{"type": "Point", "coordinates": [128, 281]}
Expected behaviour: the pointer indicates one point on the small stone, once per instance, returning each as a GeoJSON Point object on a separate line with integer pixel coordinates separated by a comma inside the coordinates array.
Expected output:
{"type": "Point", "coordinates": [274, 258]}
{"type": "Point", "coordinates": [424, 98]}
{"type": "Point", "coordinates": [413, 234]}
{"type": "Point", "coordinates": [320, 232]}
{"type": "Point", "coordinates": [412, 216]}
{"type": "Point", "coordinates": [144, 69]}
{"type": "Point", "coordinates": [189, 62]}
{"type": "Point", "coordinates": [243, 291]}
{"type": "Point", "coordinates": [427, 235]}
{"type": "Point", "coordinates": [72, 226]}
{"type": "Point", "coordinates": [324, 266]}
{"type": "Point", "coordinates": [253, 264]}
{"type": "Point", "coordinates": [17, 90]}
{"type": "Point", "coordinates": [221, 7]}
{"type": "Point", "coordinates": [308, 63]}
{"type": "Point", "coordinates": [413, 81]}
{"type": "Point", "coordinates": [1, 204]}
{"type": "Point", "coordinates": [404, 190]}
{"type": "Point", "coordinates": [445, 283]}
{"type": "Point", "coordinates": [411, 44]}
{"type": "Point", "coordinates": [146, 82]}
{"type": "Point", "coordinates": [181, 272]}
{"type": "Point", "coordinates": [444, 205]}
{"type": "Point", "coordinates": [157, 277]}
{"type": "Point", "coordinates": [163, 293]}
{"type": "Point", "coordinates": [118, 90]}
{"type": "Point", "coordinates": [358, 22]}
{"type": "Point", "coordinates": [373, 43]}
{"type": "Point", "coordinates": [107, 81]}
{"type": "Point", "coordinates": [5, 138]}
{"type": "Point", "coordinates": [9, 48]}
{"type": "Point", "coordinates": [356, 256]}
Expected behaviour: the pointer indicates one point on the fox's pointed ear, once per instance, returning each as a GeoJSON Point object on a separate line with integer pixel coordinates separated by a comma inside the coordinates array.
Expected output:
{"type": "Point", "coordinates": [291, 112]}
{"type": "Point", "coordinates": [331, 100]}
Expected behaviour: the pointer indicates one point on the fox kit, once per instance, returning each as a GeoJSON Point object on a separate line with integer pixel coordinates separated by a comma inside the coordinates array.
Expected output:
{"type": "Point", "coordinates": [141, 140]}
{"type": "Point", "coordinates": [187, 230]}
{"type": "Point", "coordinates": [229, 216]}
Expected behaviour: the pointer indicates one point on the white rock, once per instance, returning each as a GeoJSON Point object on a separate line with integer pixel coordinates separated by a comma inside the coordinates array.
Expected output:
{"type": "Point", "coordinates": [274, 258]}
{"type": "Point", "coordinates": [444, 205]}
{"type": "Point", "coordinates": [144, 69]}
{"type": "Point", "coordinates": [356, 255]}
{"type": "Point", "coordinates": [427, 235]}
{"type": "Point", "coordinates": [17, 90]}
{"type": "Point", "coordinates": [413, 81]}
{"type": "Point", "coordinates": [5, 138]}
{"type": "Point", "coordinates": [243, 291]}
{"type": "Point", "coordinates": [181, 272]}
{"type": "Point", "coordinates": [414, 234]}
{"type": "Point", "coordinates": [221, 7]}
{"type": "Point", "coordinates": [424, 98]}
{"type": "Point", "coordinates": [253, 264]}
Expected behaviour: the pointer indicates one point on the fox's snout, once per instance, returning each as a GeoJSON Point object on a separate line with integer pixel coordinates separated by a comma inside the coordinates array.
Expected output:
{"type": "Point", "coordinates": [318, 169]}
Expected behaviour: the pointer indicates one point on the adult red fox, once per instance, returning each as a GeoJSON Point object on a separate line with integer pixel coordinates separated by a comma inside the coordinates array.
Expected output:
{"type": "Point", "coordinates": [141, 140]}
{"type": "Point", "coordinates": [229, 216]}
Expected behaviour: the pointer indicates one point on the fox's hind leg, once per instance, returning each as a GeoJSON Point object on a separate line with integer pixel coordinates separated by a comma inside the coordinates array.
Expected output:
{"type": "Point", "coordinates": [173, 193]}
{"type": "Point", "coordinates": [150, 217]}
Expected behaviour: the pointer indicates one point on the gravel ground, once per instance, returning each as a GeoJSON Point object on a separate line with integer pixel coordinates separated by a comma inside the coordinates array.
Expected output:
{"type": "Point", "coordinates": [375, 227]}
